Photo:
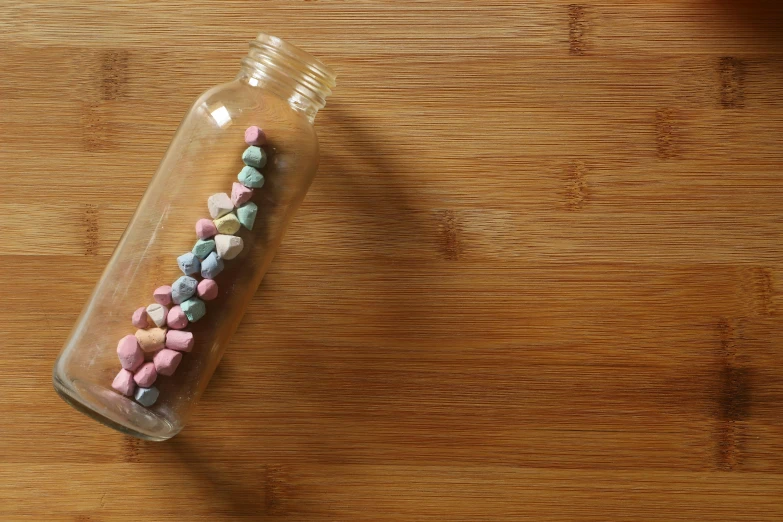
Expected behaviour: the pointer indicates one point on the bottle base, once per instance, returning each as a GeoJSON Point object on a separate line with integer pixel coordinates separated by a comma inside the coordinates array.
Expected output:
{"type": "Point", "coordinates": [114, 410]}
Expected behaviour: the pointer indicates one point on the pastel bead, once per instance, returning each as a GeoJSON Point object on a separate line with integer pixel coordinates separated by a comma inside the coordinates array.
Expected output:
{"type": "Point", "coordinates": [203, 247]}
{"type": "Point", "coordinates": [162, 295]}
{"type": "Point", "coordinates": [130, 353]}
{"type": "Point", "coordinates": [124, 383]}
{"type": "Point", "coordinates": [247, 215]}
{"type": "Point", "coordinates": [219, 205]}
{"type": "Point", "coordinates": [240, 194]}
{"type": "Point", "coordinates": [207, 289]}
{"type": "Point", "coordinates": [183, 289]}
{"type": "Point", "coordinates": [152, 339]}
{"type": "Point", "coordinates": [254, 157]}
{"type": "Point", "coordinates": [179, 340]}
{"type": "Point", "coordinates": [145, 376]}
{"type": "Point", "coordinates": [228, 224]}
{"type": "Point", "coordinates": [211, 266]}
{"type": "Point", "coordinates": [189, 263]}
{"type": "Point", "coordinates": [146, 396]}
{"type": "Point", "coordinates": [228, 247]}
{"type": "Point", "coordinates": [255, 136]}
{"type": "Point", "coordinates": [250, 177]}
{"type": "Point", "coordinates": [176, 318]}
{"type": "Point", "coordinates": [166, 362]}
{"type": "Point", "coordinates": [205, 228]}
{"type": "Point", "coordinates": [140, 319]}
{"type": "Point", "coordinates": [157, 313]}
{"type": "Point", "coordinates": [194, 309]}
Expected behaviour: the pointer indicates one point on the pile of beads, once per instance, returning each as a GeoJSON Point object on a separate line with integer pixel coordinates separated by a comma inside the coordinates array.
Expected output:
{"type": "Point", "coordinates": [157, 346]}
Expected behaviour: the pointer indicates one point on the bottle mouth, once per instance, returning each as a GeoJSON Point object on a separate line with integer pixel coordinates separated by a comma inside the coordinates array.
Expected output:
{"type": "Point", "coordinates": [272, 60]}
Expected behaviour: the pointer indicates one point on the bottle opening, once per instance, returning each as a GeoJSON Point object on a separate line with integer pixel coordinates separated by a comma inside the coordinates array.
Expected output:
{"type": "Point", "coordinates": [301, 77]}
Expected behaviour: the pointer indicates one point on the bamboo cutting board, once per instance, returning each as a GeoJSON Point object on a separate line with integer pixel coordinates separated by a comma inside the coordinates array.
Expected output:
{"type": "Point", "coordinates": [539, 276]}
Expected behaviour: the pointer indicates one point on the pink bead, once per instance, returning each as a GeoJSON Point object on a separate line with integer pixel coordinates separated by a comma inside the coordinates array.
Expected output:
{"type": "Point", "coordinates": [205, 228]}
{"type": "Point", "coordinates": [177, 318]}
{"type": "Point", "coordinates": [146, 375]}
{"type": "Point", "coordinates": [140, 318]}
{"type": "Point", "coordinates": [123, 383]}
{"type": "Point", "coordinates": [179, 340]}
{"type": "Point", "coordinates": [207, 289]}
{"type": "Point", "coordinates": [162, 295]}
{"type": "Point", "coordinates": [240, 194]}
{"type": "Point", "coordinates": [255, 136]}
{"type": "Point", "coordinates": [130, 353]}
{"type": "Point", "coordinates": [166, 361]}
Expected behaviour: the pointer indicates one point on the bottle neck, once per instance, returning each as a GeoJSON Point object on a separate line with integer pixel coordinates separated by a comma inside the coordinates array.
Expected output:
{"type": "Point", "coordinates": [289, 72]}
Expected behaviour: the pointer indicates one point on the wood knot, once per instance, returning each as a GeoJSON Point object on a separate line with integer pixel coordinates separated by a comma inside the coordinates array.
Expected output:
{"type": "Point", "coordinates": [277, 490]}
{"type": "Point", "coordinates": [577, 27]}
{"type": "Point", "coordinates": [666, 133]}
{"type": "Point", "coordinates": [576, 190]}
{"type": "Point", "coordinates": [91, 230]}
{"type": "Point", "coordinates": [733, 397]}
{"type": "Point", "coordinates": [451, 230]}
{"type": "Point", "coordinates": [731, 72]}
{"type": "Point", "coordinates": [113, 75]}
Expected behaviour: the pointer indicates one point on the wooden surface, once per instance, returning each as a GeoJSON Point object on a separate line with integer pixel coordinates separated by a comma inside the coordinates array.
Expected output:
{"type": "Point", "coordinates": [538, 277]}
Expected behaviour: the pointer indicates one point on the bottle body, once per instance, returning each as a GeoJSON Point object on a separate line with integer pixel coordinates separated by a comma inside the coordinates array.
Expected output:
{"type": "Point", "coordinates": [204, 158]}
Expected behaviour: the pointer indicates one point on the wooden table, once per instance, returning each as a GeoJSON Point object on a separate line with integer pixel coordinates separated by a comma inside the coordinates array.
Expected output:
{"type": "Point", "coordinates": [539, 275]}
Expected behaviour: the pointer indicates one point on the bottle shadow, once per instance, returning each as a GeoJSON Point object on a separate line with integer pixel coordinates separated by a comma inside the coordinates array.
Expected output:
{"type": "Point", "coordinates": [369, 182]}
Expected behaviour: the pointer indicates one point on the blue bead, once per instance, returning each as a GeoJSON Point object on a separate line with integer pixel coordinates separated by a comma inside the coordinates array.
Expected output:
{"type": "Point", "coordinates": [183, 289]}
{"type": "Point", "coordinates": [146, 396]}
{"type": "Point", "coordinates": [189, 263]}
{"type": "Point", "coordinates": [211, 266]}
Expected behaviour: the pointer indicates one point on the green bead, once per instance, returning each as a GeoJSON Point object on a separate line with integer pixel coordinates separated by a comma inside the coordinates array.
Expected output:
{"type": "Point", "coordinates": [203, 247]}
{"type": "Point", "coordinates": [254, 156]}
{"type": "Point", "coordinates": [250, 177]}
{"type": "Point", "coordinates": [194, 309]}
{"type": "Point", "coordinates": [247, 214]}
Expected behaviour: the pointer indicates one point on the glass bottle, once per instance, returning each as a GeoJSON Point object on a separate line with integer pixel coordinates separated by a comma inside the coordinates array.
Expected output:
{"type": "Point", "coordinates": [279, 89]}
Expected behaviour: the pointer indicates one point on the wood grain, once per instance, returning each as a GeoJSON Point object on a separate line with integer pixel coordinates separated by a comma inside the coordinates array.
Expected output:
{"type": "Point", "coordinates": [538, 276]}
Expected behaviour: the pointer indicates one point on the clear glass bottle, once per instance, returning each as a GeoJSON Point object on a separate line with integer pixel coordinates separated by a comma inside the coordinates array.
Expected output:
{"type": "Point", "coordinates": [279, 89]}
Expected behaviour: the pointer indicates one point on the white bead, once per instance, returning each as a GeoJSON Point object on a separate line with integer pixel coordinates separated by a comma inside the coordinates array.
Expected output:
{"type": "Point", "coordinates": [157, 313]}
{"type": "Point", "coordinates": [228, 247]}
{"type": "Point", "coordinates": [219, 205]}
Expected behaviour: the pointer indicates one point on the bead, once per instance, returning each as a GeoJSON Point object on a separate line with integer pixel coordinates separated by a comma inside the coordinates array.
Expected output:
{"type": "Point", "coordinates": [162, 295]}
{"type": "Point", "coordinates": [205, 228]}
{"type": "Point", "coordinates": [189, 263]}
{"type": "Point", "coordinates": [176, 318]}
{"type": "Point", "coordinates": [228, 247]}
{"type": "Point", "coordinates": [124, 383]}
{"type": "Point", "coordinates": [203, 247]}
{"type": "Point", "coordinates": [166, 362]}
{"type": "Point", "coordinates": [140, 319]}
{"type": "Point", "coordinates": [145, 376]}
{"type": "Point", "coordinates": [157, 313]}
{"type": "Point", "coordinates": [183, 289]}
{"type": "Point", "coordinates": [179, 340]}
{"type": "Point", "coordinates": [211, 266]}
{"type": "Point", "coordinates": [228, 224]}
{"type": "Point", "coordinates": [240, 194]}
{"type": "Point", "coordinates": [247, 215]}
{"type": "Point", "coordinates": [255, 136]}
{"type": "Point", "coordinates": [129, 352]}
{"type": "Point", "coordinates": [254, 157]}
{"type": "Point", "coordinates": [250, 177]}
{"type": "Point", "coordinates": [146, 396]}
{"type": "Point", "coordinates": [152, 339]}
{"type": "Point", "coordinates": [207, 289]}
{"type": "Point", "coordinates": [219, 205]}
{"type": "Point", "coordinates": [194, 309]}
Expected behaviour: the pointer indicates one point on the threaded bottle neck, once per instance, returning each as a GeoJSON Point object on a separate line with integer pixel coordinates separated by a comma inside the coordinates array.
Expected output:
{"type": "Point", "coordinates": [288, 71]}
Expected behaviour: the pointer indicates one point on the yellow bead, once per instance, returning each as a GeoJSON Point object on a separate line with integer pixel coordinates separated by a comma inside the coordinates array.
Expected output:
{"type": "Point", "coordinates": [228, 224]}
